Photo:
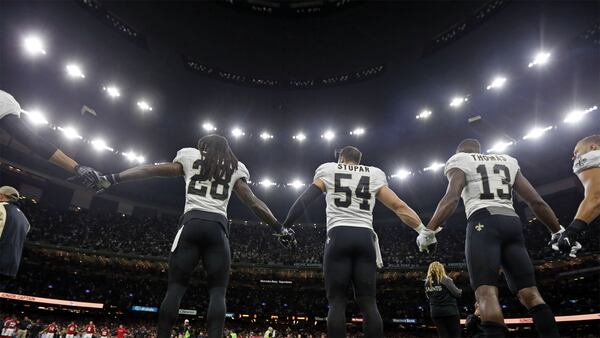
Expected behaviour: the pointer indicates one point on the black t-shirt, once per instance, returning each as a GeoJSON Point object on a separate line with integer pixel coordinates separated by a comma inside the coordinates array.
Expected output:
{"type": "Point", "coordinates": [442, 297]}
{"type": "Point", "coordinates": [24, 325]}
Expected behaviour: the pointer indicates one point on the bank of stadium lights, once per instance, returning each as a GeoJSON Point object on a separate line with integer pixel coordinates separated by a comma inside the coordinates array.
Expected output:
{"type": "Point", "coordinates": [458, 101]}
{"type": "Point", "coordinates": [540, 59]}
{"type": "Point", "coordinates": [402, 174]}
{"type": "Point", "coordinates": [70, 133]}
{"type": "Point", "coordinates": [207, 126]}
{"type": "Point", "coordinates": [500, 146]}
{"type": "Point", "coordinates": [577, 115]}
{"type": "Point", "coordinates": [358, 132]}
{"type": "Point", "coordinates": [100, 145]}
{"type": "Point", "coordinates": [74, 71]}
{"type": "Point", "coordinates": [296, 184]}
{"type": "Point", "coordinates": [300, 137]}
{"type": "Point", "coordinates": [237, 132]}
{"type": "Point", "coordinates": [133, 157]}
{"type": "Point", "coordinates": [425, 114]}
{"type": "Point", "coordinates": [497, 83]}
{"type": "Point", "coordinates": [36, 117]}
{"type": "Point", "coordinates": [267, 183]}
{"type": "Point", "coordinates": [328, 135]}
{"type": "Point", "coordinates": [265, 136]}
{"type": "Point", "coordinates": [536, 132]}
{"type": "Point", "coordinates": [112, 91]}
{"type": "Point", "coordinates": [435, 166]}
{"type": "Point", "coordinates": [144, 105]}
{"type": "Point", "coordinates": [34, 45]}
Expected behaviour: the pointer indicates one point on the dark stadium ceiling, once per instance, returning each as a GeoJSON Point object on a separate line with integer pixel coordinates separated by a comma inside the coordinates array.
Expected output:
{"type": "Point", "coordinates": [428, 52]}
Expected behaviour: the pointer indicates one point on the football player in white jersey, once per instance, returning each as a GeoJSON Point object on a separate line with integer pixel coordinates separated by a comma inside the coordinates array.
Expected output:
{"type": "Point", "coordinates": [351, 249]}
{"type": "Point", "coordinates": [586, 166]}
{"type": "Point", "coordinates": [211, 173]}
{"type": "Point", "coordinates": [10, 120]}
{"type": "Point", "coordinates": [494, 232]}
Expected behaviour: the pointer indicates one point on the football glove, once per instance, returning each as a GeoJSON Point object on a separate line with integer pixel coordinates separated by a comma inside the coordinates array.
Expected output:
{"type": "Point", "coordinates": [568, 242]}
{"type": "Point", "coordinates": [287, 238]}
{"type": "Point", "coordinates": [426, 238]}
{"type": "Point", "coordinates": [89, 177]}
{"type": "Point", "coordinates": [106, 181]}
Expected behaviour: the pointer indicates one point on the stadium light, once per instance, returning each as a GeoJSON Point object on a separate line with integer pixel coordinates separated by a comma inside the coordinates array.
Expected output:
{"type": "Point", "coordinates": [33, 45]}
{"type": "Point", "coordinates": [296, 184]}
{"type": "Point", "coordinates": [266, 136]}
{"type": "Point", "coordinates": [74, 71]}
{"type": "Point", "coordinates": [267, 183]}
{"type": "Point", "coordinates": [112, 91]}
{"type": "Point", "coordinates": [36, 117]}
{"type": "Point", "coordinates": [500, 147]}
{"type": "Point", "coordinates": [536, 132]}
{"type": "Point", "coordinates": [237, 132]}
{"type": "Point", "coordinates": [425, 114]}
{"type": "Point", "coordinates": [300, 137]}
{"type": "Point", "coordinates": [458, 101]}
{"type": "Point", "coordinates": [100, 145]}
{"type": "Point", "coordinates": [577, 115]}
{"type": "Point", "coordinates": [540, 59]}
{"type": "Point", "coordinates": [328, 135]}
{"type": "Point", "coordinates": [435, 166]}
{"type": "Point", "coordinates": [207, 126]}
{"type": "Point", "coordinates": [402, 174]}
{"type": "Point", "coordinates": [70, 133]}
{"type": "Point", "coordinates": [357, 131]}
{"type": "Point", "coordinates": [497, 83]}
{"type": "Point", "coordinates": [133, 157]}
{"type": "Point", "coordinates": [144, 105]}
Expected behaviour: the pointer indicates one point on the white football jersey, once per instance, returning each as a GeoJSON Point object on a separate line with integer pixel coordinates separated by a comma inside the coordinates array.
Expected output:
{"type": "Point", "coordinates": [350, 193]}
{"type": "Point", "coordinates": [587, 161]}
{"type": "Point", "coordinates": [209, 196]}
{"type": "Point", "coordinates": [8, 105]}
{"type": "Point", "coordinates": [490, 180]}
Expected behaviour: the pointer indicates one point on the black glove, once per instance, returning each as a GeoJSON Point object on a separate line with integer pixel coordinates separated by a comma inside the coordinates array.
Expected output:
{"type": "Point", "coordinates": [107, 181]}
{"type": "Point", "coordinates": [569, 239]}
{"type": "Point", "coordinates": [87, 176]}
{"type": "Point", "coordinates": [287, 238]}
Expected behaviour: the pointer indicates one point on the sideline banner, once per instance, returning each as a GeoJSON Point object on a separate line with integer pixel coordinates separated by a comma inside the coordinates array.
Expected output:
{"type": "Point", "coordinates": [24, 298]}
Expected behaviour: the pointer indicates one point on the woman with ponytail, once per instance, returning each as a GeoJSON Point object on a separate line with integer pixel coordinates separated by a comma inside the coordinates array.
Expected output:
{"type": "Point", "coordinates": [442, 294]}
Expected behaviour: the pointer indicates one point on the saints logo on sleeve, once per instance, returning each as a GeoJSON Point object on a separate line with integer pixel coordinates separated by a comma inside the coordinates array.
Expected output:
{"type": "Point", "coordinates": [587, 161]}
{"type": "Point", "coordinates": [350, 193]}
{"type": "Point", "coordinates": [211, 195]}
{"type": "Point", "coordinates": [489, 179]}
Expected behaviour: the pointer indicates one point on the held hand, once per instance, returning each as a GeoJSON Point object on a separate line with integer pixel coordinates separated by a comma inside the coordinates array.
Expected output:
{"type": "Point", "coordinates": [106, 181]}
{"type": "Point", "coordinates": [89, 177]}
{"type": "Point", "coordinates": [287, 238]}
{"type": "Point", "coordinates": [426, 238]}
{"type": "Point", "coordinates": [568, 240]}
{"type": "Point", "coordinates": [555, 237]}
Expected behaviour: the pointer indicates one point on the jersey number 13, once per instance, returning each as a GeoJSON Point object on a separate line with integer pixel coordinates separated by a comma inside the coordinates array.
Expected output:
{"type": "Point", "coordinates": [487, 193]}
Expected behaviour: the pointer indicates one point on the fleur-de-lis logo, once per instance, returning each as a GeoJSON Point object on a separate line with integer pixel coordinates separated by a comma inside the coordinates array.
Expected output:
{"type": "Point", "coordinates": [479, 227]}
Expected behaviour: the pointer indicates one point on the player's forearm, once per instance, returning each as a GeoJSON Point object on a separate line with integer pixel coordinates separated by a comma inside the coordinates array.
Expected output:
{"type": "Point", "coordinates": [145, 172]}
{"type": "Point", "coordinates": [444, 210]}
{"type": "Point", "coordinates": [546, 215]}
{"type": "Point", "coordinates": [62, 160]}
{"type": "Point", "coordinates": [589, 209]}
{"type": "Point", "coordinates": [300, 205]}
{"type": "Point", "coordinates": [408, 216]}
{"type": "Point", "coordinates": [260, 209]}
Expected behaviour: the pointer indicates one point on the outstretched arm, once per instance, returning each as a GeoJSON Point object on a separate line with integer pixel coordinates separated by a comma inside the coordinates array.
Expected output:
{"type": "Point", "coordinates": [408, 216]}
{"type": "Point", "coordinates": [258, 207]}
{"type": "Point", "coordinates": [304, 200]}
{"type": "Point", "coordinates": [535, 202]}
{"type": "Point", "coordinates": [589, 209]}
{"type": "Point", "coordinates": [147, 171]}
{"type": "Point", "coordinates": [448, 203]}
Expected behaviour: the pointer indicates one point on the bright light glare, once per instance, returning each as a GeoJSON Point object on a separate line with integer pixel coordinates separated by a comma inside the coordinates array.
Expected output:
{"type": "Point", "coordinates": [100, 145]}
{"type": "Point", "coordinates": [328, 135]}
{"type": "Point", "coordinates": [33, 45]}
{"type": "Point", "coordinates": [112, 91]}
{"type": "Point", "coordinates": [296, 184]}
{"type": "Point", "coordinates": [358, 131]}
{"type": "Point", "coordinates": [133, 157]}
{"type": "Point", "coordinates": [144, 105]}
{"type": "Point", "coordinates": [70, 133]}
{"type": "Point", "coordinates": [300, 137]}
{"type": "Point", "coordinates": [500, 147]}
{"type": "Point", "coordinates": [207, 126]}
{"type": "Point", "coordinates": [266, 136]}
{"type": "Point", "coordinates": [540, 59]}
{"type": "Point", "coordinates": [458, 101]}
{"type": "Point", "coordinates": [435, 166]}
{"type": "Point", "coordinates": [36, 117]}
{"type": "Point", "coordinates": [424, 114]}
{"type": "Point", "coordinates": [497, 83]}
{"type": "Point", "coordinates": [267, 183]}
{"type": "Point", "coordinates": [577, 115]}
{"type": "Point", "coordinates": [402, 174]}
{"type": "Point", "coordinates": [237, 132]}
{"type": "Point", "coordinates": [536, 132]}
{"type": "Point", "coordinates": [74, 70]}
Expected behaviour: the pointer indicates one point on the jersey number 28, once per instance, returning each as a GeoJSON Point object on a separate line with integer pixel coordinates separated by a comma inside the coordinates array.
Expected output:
{"type": "Point", "coordinates": [362, 191]}
{"type": "Point", "coordinates": [214, 186]}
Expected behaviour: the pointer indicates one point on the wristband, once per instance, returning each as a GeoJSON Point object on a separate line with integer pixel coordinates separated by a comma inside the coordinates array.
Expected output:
{"type": "Point", "coordinates": [114, 178]}
{"type": "Point", "coordinates": [420, 228]}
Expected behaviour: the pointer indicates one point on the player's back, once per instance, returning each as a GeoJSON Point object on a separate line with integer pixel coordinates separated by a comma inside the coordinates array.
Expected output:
{"type": "Point", "coordinates": [489, 179]}
{"type": "Point", "coordinates": [210, 195]}
{"type": "Point", "coordinates": [351, 191]}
